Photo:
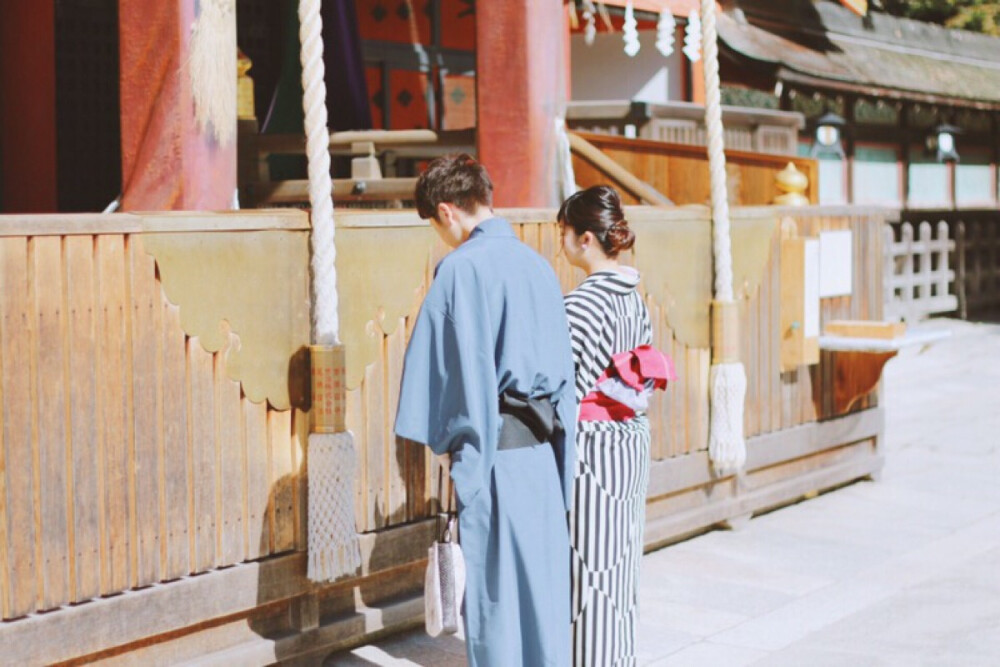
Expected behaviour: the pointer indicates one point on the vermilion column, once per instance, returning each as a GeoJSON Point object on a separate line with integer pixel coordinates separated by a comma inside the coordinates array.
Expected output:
{"type": "Point", "coordinates": [522, 73]}
{"type": "Point", "coordinates": [28, 107]}
{"type": "Point", "coordinates": [167, 161]}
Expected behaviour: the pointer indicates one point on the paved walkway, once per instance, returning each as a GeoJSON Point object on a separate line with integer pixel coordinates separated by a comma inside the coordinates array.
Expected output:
{"type": "Point", "coordinates": [904, 571]}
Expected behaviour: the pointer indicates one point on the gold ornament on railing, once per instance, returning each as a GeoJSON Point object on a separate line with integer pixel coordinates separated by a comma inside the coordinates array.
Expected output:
{"type": "Point", "coordinates": [793, 185]}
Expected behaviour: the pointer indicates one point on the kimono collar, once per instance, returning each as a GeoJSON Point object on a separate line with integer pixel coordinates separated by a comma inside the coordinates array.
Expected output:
{"type": "Point", "coordinates": [492, 227]}
{"type": "Point", "coordinates": [622, 281]}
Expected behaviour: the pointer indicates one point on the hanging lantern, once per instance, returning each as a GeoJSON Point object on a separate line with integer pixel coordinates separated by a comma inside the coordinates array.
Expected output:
{"type": "Point", "coordinates": [692, 38]}
{"type": "Point", "coordinates": [630, 35]}
{"type": "Point", "coordinates": [665, 27]}
{"type": "Point", "coordinates": [941, 142]}
{"type": "Point", "coordinates": [829, 128]}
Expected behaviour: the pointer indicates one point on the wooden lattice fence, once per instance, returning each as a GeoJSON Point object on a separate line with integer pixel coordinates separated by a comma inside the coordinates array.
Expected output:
{"type": "Point", "coordinates": [917, 271]}
{"type": "Point", "coordinates": [972, 262]}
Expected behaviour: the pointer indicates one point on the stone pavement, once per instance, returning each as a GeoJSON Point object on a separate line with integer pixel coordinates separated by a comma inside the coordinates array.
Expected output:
{"type": "Point", "coordinates": [903, 571]}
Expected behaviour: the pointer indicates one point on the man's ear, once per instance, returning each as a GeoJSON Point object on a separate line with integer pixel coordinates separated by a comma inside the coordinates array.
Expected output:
{"type": "Point", "coordinates": [444, 214]}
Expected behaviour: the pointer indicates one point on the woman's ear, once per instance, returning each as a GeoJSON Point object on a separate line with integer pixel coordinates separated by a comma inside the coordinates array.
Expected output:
{"type": "Point", "coordinates": [587, 238]}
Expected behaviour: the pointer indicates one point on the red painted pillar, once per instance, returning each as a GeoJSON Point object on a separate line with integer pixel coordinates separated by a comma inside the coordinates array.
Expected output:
{"type": "Point", "coordinates": [168, 162]}
{"type": "Point", "coordinates": [28, 106]}
{"type": "Point", "coordinates": [522, 73]}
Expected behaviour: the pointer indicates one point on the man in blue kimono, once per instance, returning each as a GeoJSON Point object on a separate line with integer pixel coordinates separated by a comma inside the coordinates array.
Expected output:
{"type": "Point", "coordinates": [488, 379]}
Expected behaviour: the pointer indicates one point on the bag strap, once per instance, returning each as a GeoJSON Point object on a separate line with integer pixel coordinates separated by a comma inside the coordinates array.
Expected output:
{"type": "Point", "coordinates": [450, 529]}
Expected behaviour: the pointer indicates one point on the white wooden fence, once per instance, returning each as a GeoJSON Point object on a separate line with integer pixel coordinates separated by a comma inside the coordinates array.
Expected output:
{"type": "Point", "coordinates": [917, 273]}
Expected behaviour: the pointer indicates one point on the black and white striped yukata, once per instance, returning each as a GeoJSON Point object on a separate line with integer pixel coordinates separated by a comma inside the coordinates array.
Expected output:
{"type": "Point", "coordinates": [607, 316]}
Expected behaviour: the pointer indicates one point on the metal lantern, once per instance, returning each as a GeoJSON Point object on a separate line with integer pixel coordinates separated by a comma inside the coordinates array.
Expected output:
{"type": "Point", "coordinates": [941, 142]}
{"type": "Point", "coordinates": [829, 128]}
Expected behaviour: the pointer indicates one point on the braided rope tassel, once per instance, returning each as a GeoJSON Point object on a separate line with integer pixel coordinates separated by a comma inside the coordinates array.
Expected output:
{"type": "Point", "coordinates": [726, 444]}
{"type": "Point", "coordinates": [333, 540]}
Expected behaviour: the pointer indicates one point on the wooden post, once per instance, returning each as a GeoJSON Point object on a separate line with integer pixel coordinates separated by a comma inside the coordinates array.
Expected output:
{"type": "Point", "coordinates": [168, 162]}
{"type": "Point", "coordinates": [28, 107]}
{"type": "Point", "coordinates": [963, 308]}
{"type": "Point", "coordinates": [848, 139]}
{"type": "Point", "coordinates": [903, 126]}
{"type": "Point", "coordinates": [521, 78]}
{"type": "Point", "coordinates": [697, 80]}
{"type": "Point", "coordinates": [995, 143]}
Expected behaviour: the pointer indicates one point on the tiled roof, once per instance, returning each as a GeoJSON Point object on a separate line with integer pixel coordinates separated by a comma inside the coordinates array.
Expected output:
{"type": "Point", "coordinates": [825, 45]}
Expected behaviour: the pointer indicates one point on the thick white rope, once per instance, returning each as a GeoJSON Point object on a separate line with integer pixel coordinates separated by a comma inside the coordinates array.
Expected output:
{"type": "Point", "coordinates": [324, 251]}
{"type": "Point", "coordinates": [716, 156]}
{"type": "Point", "coordinates": [726, 444]}
{"type": "Point", "coordinates": [564, 157]}
{"type": "Point", "coordinates": [333, 540]}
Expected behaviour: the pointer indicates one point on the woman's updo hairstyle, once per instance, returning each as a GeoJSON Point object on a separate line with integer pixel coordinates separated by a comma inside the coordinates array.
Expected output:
{"type": "Point", "coordinates": [598, 210]}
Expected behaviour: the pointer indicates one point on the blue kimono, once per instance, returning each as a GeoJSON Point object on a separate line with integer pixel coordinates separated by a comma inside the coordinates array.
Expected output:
{"type": "Point", "coordinates": [494, 321]}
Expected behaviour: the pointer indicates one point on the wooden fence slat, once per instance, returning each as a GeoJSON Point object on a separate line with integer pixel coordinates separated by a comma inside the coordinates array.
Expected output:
{"type": "Point", "coordinates": [356, 425]}
{"type": "Point", "coordinates": [405, 487]}
{"type": "Point", "coordinates": [258, 527]}
{"type": "Point", "coordinates": [300, 444]}
{"type": "Point", "coordinates": [51, 385]}
{"type": "Point", "coordinates": [177, 462]}
{"type": "Point", "coordinates": [112, 385]}
{"type": "Point", "coordinates": [203, 446]}
{"type": "Point", "coordinates": [146, 404]}
{"type": "Point", "coordinates": [679, 443]}
{"type": "Point", "coordinates": [230, 463]}
{"type": "Point", "coordinates": [748, 321]}
{"type": "Point", "coordinates": [693, 406]}
{"type": "Point", "coordinates": [83, 430]}
{"type": "Point", "coordinates": [375, 449]}
{"type": "Point", "coordinates": [397, 451]}
{"type": "Point", "coordinates": [757, 351]}
{"type": "Point", "coordinates": [282, 479]}
{"type": "Point", "coordinates": [771, 341]}
{"type": "Point", "coordinates": [15, 327]}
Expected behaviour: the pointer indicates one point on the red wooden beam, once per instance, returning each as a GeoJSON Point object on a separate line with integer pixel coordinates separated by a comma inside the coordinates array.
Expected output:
{"type": "Point", "coordinates": [167, 161]}
{"type": "Point", "coordinates": [522, 75]}
{"type": "Point", "coordinates": [28, 107]}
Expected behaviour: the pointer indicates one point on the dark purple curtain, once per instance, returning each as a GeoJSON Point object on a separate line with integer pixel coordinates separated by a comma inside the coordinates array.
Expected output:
{"type": "Point", "coordinates": [346, 88]}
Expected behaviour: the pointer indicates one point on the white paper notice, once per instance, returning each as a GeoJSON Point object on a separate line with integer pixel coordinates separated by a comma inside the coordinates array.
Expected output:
{"type": "Point", "coordinates": [836, 263]}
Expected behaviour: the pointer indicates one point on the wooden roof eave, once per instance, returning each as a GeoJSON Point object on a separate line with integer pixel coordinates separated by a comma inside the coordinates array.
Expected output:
{"type": "Point", "coordinates": [790, 76]}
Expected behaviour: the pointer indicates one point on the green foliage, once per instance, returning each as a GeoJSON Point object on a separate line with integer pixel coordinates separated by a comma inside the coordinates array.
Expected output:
{"type": "Point", "coordinates": [975, 15]}
{"type": "Point", "coordinates": [934, 11]}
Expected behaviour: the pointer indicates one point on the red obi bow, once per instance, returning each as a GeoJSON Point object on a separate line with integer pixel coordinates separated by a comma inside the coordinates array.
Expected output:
{"type": "Point", "coordinates": [640, 370]}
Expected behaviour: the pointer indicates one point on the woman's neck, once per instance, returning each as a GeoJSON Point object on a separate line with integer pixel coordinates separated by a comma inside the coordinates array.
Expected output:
{"type": "Point", "coordinates": [599, 264]}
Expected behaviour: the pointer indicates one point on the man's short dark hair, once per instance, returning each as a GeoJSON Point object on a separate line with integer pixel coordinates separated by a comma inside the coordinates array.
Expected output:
{"type": "Point", "coordinates": [453, 179]}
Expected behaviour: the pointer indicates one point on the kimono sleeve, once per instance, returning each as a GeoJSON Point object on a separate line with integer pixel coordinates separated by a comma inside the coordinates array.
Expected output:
{"type": "Point", "coordinates": [447, 397]}
{"type": "Point", "coordinates": [585, 330]}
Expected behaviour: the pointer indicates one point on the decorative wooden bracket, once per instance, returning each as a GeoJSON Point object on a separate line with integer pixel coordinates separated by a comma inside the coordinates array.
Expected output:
{"type": "Point", "coordinates": [856, 374]}
{"type": "Point", "coordinates": [861, 350]}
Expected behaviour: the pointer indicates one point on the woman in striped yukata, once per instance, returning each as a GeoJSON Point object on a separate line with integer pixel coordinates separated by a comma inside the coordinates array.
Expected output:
{"type": "Point", "coordinates": [615, 372]}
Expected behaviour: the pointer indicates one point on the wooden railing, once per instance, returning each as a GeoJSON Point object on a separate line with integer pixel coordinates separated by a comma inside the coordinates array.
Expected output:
{"type": "Point", "coordinates": [397, 151]}
{"type": "Point", "coordinates": [680, 171]}
{"type": "Point", "coordinates": [974, 244]}
{"type": "Point", "coordinates": [138, 447]}
{"type": "Point", "coordinates": [129, 454]}
{"type": "Point", "coordinates": [746, 129]}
